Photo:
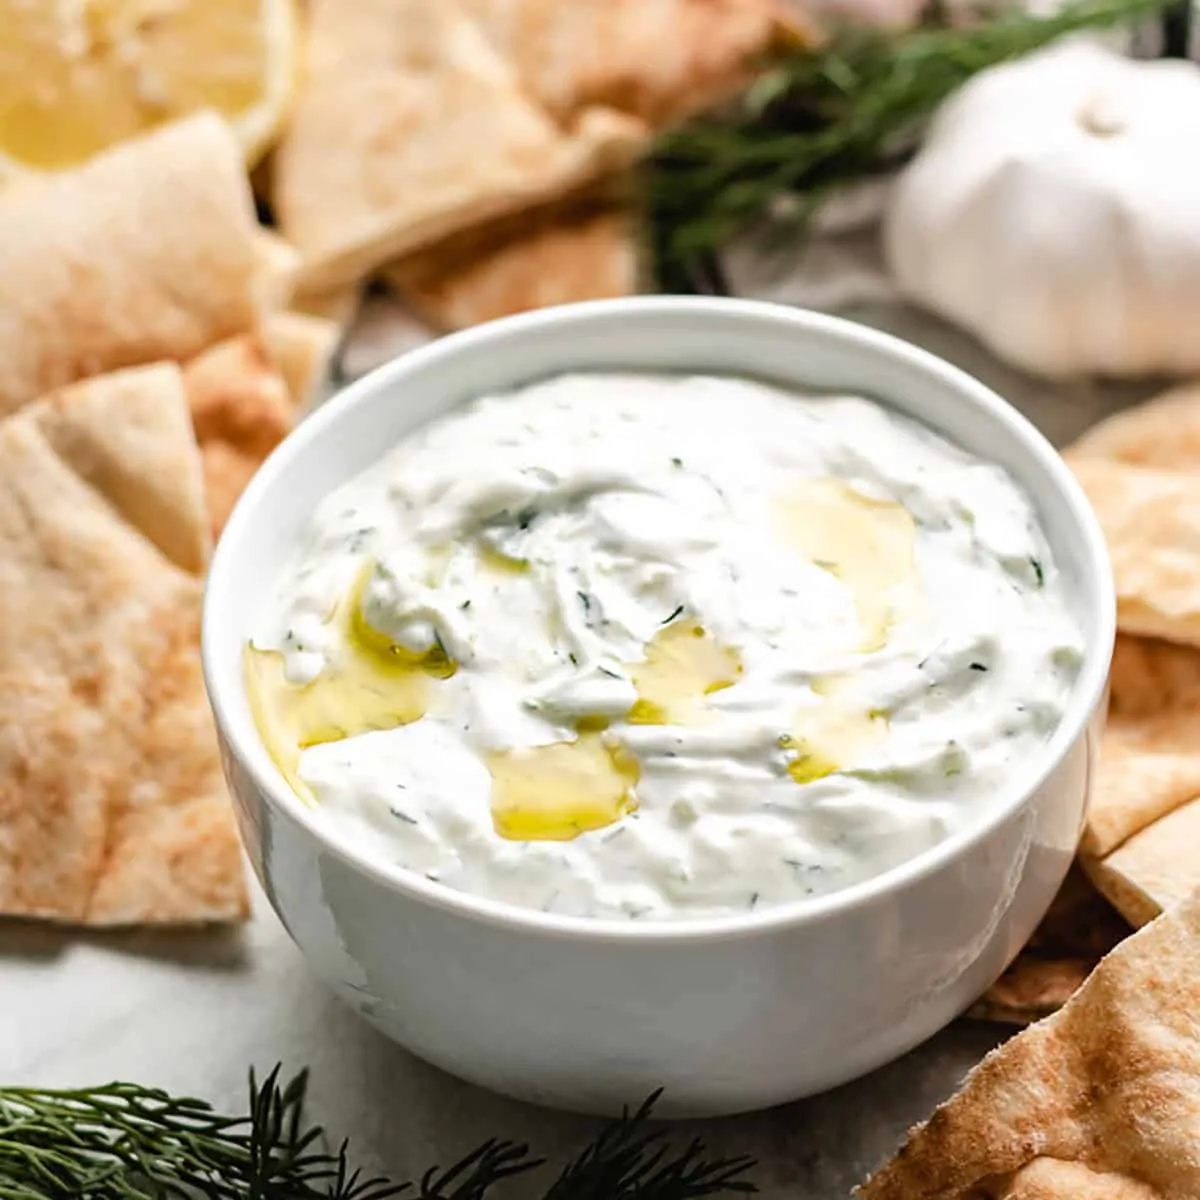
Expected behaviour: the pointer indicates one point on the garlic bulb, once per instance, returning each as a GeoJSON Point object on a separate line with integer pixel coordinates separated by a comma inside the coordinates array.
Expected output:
{"type": "Point", "coordinates": [1054, 211]}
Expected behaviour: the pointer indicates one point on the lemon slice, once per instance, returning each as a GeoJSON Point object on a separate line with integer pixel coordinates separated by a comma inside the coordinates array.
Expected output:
{"type": "Point", "coordinates": [78, 75]}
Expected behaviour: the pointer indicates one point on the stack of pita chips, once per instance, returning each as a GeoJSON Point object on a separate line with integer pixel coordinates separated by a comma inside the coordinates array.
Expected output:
{"type": "Point", "coordinates": [1140, 470]}
{"type": "Point", "coordinates": [464, 150]}
{"type": "Point", "coordinates": [1140, 849]}
{"type": "Point", "coordinates": [1099, 1102]}
{"type": "Point", "coordinates": [152, 252]}
{"type": "Point", "coordinates": [145, 371]}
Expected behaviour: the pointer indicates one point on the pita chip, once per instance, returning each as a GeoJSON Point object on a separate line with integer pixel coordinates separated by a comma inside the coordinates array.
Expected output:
{"type": "Point", "coordinates": [1163, 432]}
{"type": "Point", "coordinates": [241, 410]}
{"type": "Point", "coordinates": [1141, 840]}
{"type": "Point", "coordinates": [338, 305]}
{"type": "Point", "coordinates": [1109, 1085]}
{"type": "Point", "coordinates": [534, 262]}
{"type": "Point", "coordinates": [1149, 766]}
{"type": "Point", "coordinates": [658, 60]}
{"type": "Point", "coordinates": [1150, 676]}
{"type": "Point", "coordinates": [146, 252]}
{"type": "Point", "coordinates": [1151, 521]}
{"type": "Point", "coordinates": [1075, 934]}
{"type": "Point", "coordinates": [1156, 868]}
{"type": "Point", "coordinates": [410, 128]}
{"type": "Point", "coordinates": [278, 266]}
{"type": "Point", "coordinates": [1150, 753]}
{"type": "Point", "coordinates": [302, 348]}
{"type": "Point", "coordinates": [143, 463]}
{"type": "Point", "coordinates": [112, 806]}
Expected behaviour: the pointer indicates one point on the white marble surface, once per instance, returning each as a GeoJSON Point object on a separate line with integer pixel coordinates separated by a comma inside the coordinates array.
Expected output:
{"type": "Point", "coordinates": [193, 1011]}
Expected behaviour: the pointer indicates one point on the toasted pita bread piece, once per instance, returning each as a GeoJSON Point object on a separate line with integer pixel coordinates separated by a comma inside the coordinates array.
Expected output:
{"type": "Point", "coordinates": [143, 462]}
{"type": "Point", "coordinates": [1151, 521]}
{"type": "Point", "coordinates": [1149, 766]}
{"type": "Point", "coordinates": [1110, 1083]}
{"type": "Point", "coordinates": [278, 266]}
{"type": "Point", "coordinates": [655, 59]}
{"type": "Point", "coordinates": [552, 257]}
{"type": "Point", "coordinates": [1150, 752]}
{"type": "Point", "coordinates": [1032, 988]}
{"type": "Point", "coordinates": [302, 347]}
{"type": "Point", "coordinates": [1077, 931]}
{"type": "Point", "coordinates": [410, 128]}
{"type": "Point", "coordinates": [147, 252]}
{"type": "Point", "coordinates": [1163, 432]}
{"type": "Point", "coordinates": [1155, 868]}
{"type": "Point", "coordinates": [112, 807]}
{"type": "Point", "coordinates": [337, 305]}
{"type": "Point", "coordinates": [241, 410]}
{"type": "Point", "coordinates": [1150, 676]}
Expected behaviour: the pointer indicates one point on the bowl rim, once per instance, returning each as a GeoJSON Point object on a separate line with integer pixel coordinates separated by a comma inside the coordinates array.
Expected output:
{"type": "Point", "coordinates": [1086, 696]}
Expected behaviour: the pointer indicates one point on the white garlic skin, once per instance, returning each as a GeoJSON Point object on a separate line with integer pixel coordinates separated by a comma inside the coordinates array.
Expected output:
{"type": "Point", "coordinates": [1054, 212]}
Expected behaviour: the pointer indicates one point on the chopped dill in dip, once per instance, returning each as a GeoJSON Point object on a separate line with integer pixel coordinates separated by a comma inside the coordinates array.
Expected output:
{"type": "Point", "coordinates": [662, 647]}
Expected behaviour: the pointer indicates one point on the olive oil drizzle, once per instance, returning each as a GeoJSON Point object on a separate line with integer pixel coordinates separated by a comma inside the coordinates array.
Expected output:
{"type": "Point", "coordinates": [371, 683]}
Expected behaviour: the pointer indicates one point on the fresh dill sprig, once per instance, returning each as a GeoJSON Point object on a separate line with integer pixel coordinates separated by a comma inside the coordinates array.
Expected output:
{"type": "Point", "coordinates": [817, 120]}
{"type": "Point", "coordinates": [628, 1162]}
{"type": "Point", "coordinates": [123, 1141]}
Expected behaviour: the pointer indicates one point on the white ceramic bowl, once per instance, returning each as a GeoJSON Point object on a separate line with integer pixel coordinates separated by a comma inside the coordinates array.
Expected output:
{"type": "Point", "coordinates": [727, 1014]}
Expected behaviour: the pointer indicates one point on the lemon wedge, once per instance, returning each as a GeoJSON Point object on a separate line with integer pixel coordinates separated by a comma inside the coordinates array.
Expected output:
{"type": "Point", "coordinates": [77, 76]}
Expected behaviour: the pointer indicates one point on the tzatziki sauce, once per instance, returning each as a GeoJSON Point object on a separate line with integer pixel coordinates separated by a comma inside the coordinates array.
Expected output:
{"type": "Point", "coordinates": [658, 647]}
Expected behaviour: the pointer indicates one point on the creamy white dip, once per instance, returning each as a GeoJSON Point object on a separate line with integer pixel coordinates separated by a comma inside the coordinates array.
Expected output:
{"type": "Point", "coordinates": [756, 646]}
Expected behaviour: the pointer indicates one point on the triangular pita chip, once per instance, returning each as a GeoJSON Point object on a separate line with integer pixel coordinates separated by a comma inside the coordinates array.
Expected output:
{"type": "Point", "coordinates": [1149, 766]}
{"type": "Point", "coordinates": [530, 262]}
{"type": "Point", "coordinates": [1110, 1083]}
{"type": "Point", "coordinates": [146, 252]}
{"type": "Point", "coordinates": [112, 806]}
{"type": "Point", "coordinates": [278, 267]}
{"type": "Point", "coordinates": [1164, 432]}
{"type": "Point", "coordinates": [142, 461]}
{"type": "Point", "coordinates": [655, 59]}
{"type": "Point", "coordinates": [410, 128]}
{"type": "Point", "coordinates": [302, 347]}
{"type": "Point", "coordinates": [1155, 868]}
{"type": "Point", "coordinates": [241, 410]}
{"type": "Point", "coordinates": [1141, 841]}
{"type": "Point", "coordinates": [1151, 521]}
